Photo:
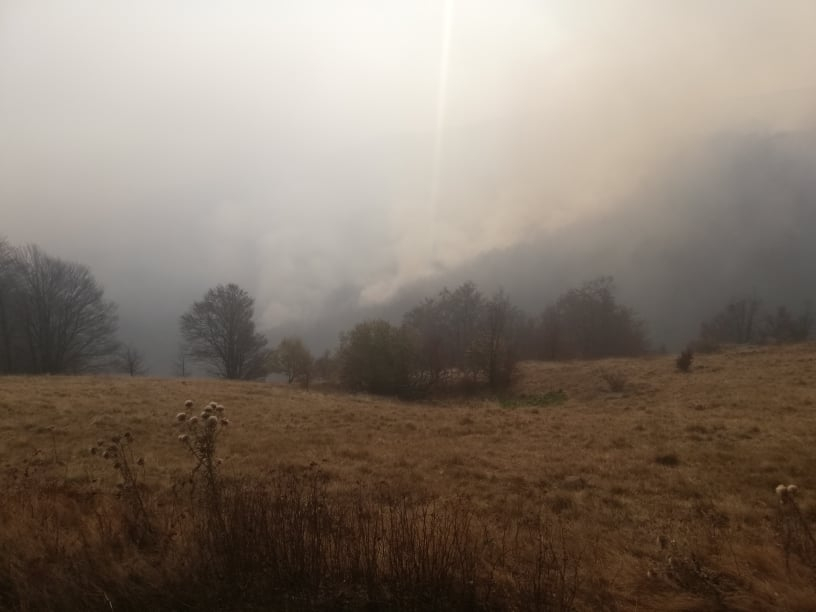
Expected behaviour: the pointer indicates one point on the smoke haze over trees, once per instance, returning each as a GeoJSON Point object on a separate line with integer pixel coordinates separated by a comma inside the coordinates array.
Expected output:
{"type": "Point", "coordinates": [55, 320]}
{"type": "Point", "coordinates": [668, 145]}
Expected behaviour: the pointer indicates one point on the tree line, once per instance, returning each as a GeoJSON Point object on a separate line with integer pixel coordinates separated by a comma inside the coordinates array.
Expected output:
{"type": "Point", "coordinates": [463, 337]}
{"type": "Point", "coordinates": [55, 319]}
{"type": "Point", "coordinates": [457, 336]}
{"type": "Point", "coordinates": [744, 320]}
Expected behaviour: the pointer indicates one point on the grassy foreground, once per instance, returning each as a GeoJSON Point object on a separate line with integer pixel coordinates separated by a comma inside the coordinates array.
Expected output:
{"type": "Point", "coordinates": [564, 494]}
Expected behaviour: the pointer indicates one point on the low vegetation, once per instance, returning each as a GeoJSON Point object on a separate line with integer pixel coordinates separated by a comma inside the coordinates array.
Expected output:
{"type": "Point", "coordinates": [537, 399]}
{"type": "Point", "coordinates": [662, 497]}
{"type": "Point", "coordinates": [684, 361]}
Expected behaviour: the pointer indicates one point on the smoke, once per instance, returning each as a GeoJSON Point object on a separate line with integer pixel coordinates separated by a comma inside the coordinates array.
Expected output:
{"type": "Point", "coordinates": [291, 146]}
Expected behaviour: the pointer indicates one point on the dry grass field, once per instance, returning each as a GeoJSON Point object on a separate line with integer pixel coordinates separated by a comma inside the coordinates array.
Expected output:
{"type": "Point", "coordinates": [660, 495]}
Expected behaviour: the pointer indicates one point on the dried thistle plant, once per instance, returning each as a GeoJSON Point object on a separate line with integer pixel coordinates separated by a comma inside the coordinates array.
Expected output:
{"type": "Point", "coordinates": [793, 528]}
{"type": "Point", "coordinates": [118, 452]}
{"type": "Point", "coordinates": [199, 435]}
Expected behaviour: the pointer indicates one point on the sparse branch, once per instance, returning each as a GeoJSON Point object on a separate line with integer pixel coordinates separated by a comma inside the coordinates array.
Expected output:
{"type": "Point", "coordinates": [181, 366]}
{"type": "Point", "coordinates": [131, 361]}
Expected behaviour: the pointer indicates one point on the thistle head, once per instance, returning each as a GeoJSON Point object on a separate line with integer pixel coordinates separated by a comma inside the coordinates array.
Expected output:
{"type": "Point", "coordinates": [188, 404]}
{"type": "Point", "coordinates": [181, 417]}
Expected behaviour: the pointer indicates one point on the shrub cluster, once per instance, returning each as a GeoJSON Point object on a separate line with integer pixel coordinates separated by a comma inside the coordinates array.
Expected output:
{"type": "Point", "coordinates": [588, 323]}
{"type": "Point", "coordinates": [462, 336]}
{"type": "Point", "coordinates": [683, 362]}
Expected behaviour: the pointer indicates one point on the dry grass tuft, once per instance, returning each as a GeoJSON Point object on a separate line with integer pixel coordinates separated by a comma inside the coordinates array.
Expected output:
{"type": "Point", "coordinates": [616, 381]}
{"type": "Point", "coordinates": [669, 460]}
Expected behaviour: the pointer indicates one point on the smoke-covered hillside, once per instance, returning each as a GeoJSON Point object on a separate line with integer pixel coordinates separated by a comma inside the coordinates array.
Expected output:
{"type": "Point", "coordinates": [736, 216]}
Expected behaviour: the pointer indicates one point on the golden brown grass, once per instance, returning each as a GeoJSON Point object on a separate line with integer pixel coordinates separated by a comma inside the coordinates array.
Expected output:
{"type": "Point", "coordinates": [666, 487]}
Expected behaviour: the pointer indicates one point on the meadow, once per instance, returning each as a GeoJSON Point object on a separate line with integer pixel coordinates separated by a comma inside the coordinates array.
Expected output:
{"type": "Point", "coordinates": [618, 484]}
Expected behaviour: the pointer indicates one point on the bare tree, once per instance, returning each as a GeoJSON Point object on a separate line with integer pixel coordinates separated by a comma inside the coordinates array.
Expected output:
{"type": "Point", "coordinates": [293, 360]}
{"type": "Point", "coordinates": [734, 324]}
{"type": "Point", "coordinates": [131, 361]}
{"type": "Point", "coordinates": [785, 326]}
{"type": "Point", "coordinates": [325, 366]}
{"type": "Point", "coordinates": [429, 323]}
{"type": "Point", "coordinates": [588, 323]}
{"type": "Point", "coordinates": [8, 283]}
{"type": "Point", "coordinates": [495, 351]}
{"type": "Point", "coordinates": [445, 328]}
{"type": "Point", "coordinates": [66, 324]}
{"type": "Point", "coordinates": [181, 367]}
{"type": "Point", "coordinates": [377, 357]}
{"type": "Point", "coordinates": [221, 334]}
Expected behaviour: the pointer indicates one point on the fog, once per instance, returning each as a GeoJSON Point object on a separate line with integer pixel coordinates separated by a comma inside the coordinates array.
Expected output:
{"type": "Point", "coordinates": [340, 160]}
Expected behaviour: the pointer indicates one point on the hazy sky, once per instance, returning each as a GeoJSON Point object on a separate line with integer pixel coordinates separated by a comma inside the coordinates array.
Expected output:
{"type": "Point", "coordinates": [299, 146]}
